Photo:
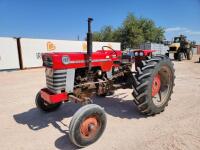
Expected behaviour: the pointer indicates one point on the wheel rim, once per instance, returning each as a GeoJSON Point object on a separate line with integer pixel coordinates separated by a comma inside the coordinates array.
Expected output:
{"type": "Point", "coordinates": [89, 127]}
{"type": "Point", "coordinates": [156, 85]}
{"type": "Point", "coordinates": [161, 86]}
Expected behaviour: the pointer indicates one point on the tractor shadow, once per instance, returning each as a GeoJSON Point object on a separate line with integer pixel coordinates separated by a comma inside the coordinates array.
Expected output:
{"type": "Point", "coordinates": [36, 120]}
{"type": "Point", "coordinates": [118, 107]}
{"type": "Point", "coordinates": [197, 62]}
{"type": "Point", "coordinates": [172, 59]}
{"type": "Point", "coordinates": [113, 105]}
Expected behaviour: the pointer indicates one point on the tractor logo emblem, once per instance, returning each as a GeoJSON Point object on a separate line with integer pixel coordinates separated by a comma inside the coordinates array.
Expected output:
{"type": "Point", "coordinates": [50, 46]}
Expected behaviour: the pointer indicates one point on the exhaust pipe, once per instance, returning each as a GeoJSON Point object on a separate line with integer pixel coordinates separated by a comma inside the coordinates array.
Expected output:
{"type": "Point", "coordinates": [89, 44]}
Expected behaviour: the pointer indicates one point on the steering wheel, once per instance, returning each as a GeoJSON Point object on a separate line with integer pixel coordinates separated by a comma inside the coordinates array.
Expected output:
{"type": "Point", "coordinates": [109, 48]}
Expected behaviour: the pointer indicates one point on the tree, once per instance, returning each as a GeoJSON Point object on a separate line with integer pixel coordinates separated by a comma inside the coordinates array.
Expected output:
{"type": "Point", "coordinates": [97, 36]}
{"type": "Point", "coordinates": [106, 34]}
{"type": "Point", "coordinates": [132, 32]}
{"type": "Point", "coordinates": [132, 35]}
{"type": "Point", "coordinates": [151, 33]}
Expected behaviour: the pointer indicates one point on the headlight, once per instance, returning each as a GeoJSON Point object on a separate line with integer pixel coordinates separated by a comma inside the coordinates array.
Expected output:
{"type": "Point", "coordinates": [65, 60]}
{"type": "Point", "coordinates": [136, 53]}
{"type": "Point", "coordinates": [141, 54]}
{"type": "Point", "coordinates": [47, 61]}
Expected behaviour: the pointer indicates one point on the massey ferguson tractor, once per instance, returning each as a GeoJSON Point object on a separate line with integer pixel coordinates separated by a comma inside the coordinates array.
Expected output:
{"type": "Point", "coordinates": [78, 77]}
{"type": "Point", "coordinates": [181, 48]}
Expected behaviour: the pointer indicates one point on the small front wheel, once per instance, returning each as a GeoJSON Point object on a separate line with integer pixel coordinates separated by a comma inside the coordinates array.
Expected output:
{"type": "Point", "coordinates": [87, 125]}
{"type": "Point", "coordinates": [43, 105]}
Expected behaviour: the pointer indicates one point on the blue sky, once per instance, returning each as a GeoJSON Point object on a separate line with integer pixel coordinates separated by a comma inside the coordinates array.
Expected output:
{"type": "Point", "coordinates": [66, 19]}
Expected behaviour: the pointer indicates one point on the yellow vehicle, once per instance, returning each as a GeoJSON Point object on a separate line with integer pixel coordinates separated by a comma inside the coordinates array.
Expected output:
{"type": "Point", "coordinates": [181, 48]}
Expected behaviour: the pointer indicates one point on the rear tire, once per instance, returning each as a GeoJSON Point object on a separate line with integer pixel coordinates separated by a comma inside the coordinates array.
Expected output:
{"type": "Point", "coordinates": [189, 54]}
{"type": "Point", "coordinates": [87, 125]}
{"type": "Point", "coordinates": [44, 106]}
{"type": "Point", "coordinates": [144, 91]}
{"type": "Point", "coordinates": [180, 56]}
{"type": "Point", "coordinates": [175, 56]}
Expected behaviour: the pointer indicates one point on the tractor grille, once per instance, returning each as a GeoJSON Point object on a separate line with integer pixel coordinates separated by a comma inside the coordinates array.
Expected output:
{"type": "Point", "coordinates": [56, 80]}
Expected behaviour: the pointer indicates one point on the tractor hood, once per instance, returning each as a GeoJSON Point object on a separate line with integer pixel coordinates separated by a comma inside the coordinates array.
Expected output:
{"type": "Point", "coordinates": [68, 60]}
{"type": "Point", "coordinates": [177, 45]}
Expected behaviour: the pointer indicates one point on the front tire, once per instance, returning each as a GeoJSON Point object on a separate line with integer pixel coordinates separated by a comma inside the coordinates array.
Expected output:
{"type": "Point", "coordinates": [87, 125]}
{"type": "Point", "coordinates": [153, 85]}
{"type": "Point", "coordinates": [44, 106]}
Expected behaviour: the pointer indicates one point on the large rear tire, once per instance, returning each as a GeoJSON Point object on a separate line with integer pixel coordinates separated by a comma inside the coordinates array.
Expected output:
{"type": "Point", "coordinates": [44, 106]}
{"type": "Point", "coordinates": [189, 54]}
{"type": "Point", "coordinates": [180, 56]}
{"type": "Point", "coordinates": [175, 56]}
{"type": "Point", "coordinates": [87, 125]}
{"type": "Point", "coordinates": [153, 85]}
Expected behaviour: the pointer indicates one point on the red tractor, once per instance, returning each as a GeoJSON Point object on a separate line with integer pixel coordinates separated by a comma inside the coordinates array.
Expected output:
{"type": "Point", "coordinates": [79, 76]}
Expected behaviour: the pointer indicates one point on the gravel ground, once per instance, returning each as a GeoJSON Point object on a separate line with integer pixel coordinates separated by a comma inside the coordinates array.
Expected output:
{"type": "Point", "coordinates": [24, 127]}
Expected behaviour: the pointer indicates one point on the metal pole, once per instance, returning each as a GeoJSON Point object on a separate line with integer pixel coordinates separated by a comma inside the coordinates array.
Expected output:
{"type": "Point", "coordinates": [89, 44]}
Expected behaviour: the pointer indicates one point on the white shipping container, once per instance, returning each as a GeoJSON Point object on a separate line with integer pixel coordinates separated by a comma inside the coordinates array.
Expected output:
{"type": "Point", "coordinates": [160, 48]}
{"type": "Point", "coordinates": [32, 48]}
{"type": "Point", "coordinates": [8, 54]}
{"type": "Point", "coordinates": [194, 51]}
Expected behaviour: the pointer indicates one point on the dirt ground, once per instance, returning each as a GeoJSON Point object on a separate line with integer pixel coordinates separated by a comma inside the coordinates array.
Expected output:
{"type": "Point", "coordinates": [24, 127]}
